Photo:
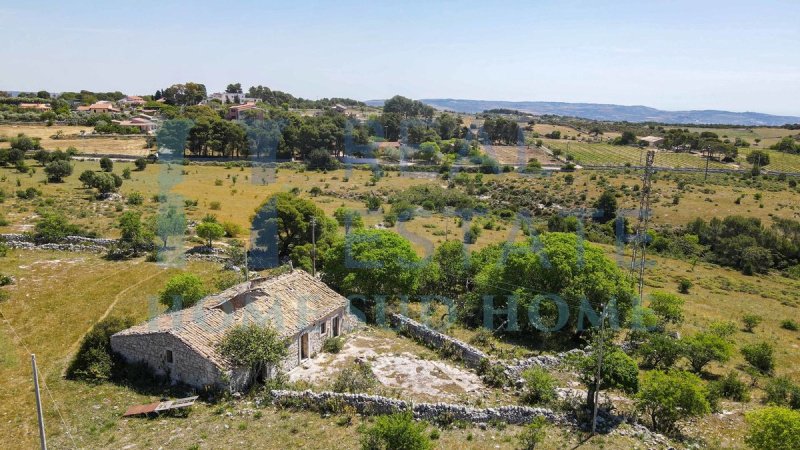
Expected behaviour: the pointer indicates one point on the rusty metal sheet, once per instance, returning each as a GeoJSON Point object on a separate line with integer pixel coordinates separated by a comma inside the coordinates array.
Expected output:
{"type": "Point", "coordinates": [141, 409]}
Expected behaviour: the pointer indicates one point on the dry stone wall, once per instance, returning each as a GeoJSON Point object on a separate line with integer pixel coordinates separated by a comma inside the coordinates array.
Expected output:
{"type": "Point", "coordinates": [68, 244]}
{"type": "Point", "coordinates": [471, 356]}
{"type": "Point", "coordinates": [377, 405]}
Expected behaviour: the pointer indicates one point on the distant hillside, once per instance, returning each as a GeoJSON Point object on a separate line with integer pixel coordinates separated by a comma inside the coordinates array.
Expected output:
{"type": "Point", "coordinates": [597, 111]}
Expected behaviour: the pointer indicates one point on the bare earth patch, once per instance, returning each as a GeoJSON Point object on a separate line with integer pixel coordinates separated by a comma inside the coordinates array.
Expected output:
{"type": "Point", "coordinates": [415, 377]}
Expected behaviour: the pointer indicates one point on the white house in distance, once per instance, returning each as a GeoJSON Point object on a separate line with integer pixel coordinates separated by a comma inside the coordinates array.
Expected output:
{"type": "Point", "coordinates": [145, 123]}
{"type": "Point", "coordinates": [103, 106]}
{"type": "Point", "coordinates": [652, 141]}
{"type": "Point", "coordinates": [183, 344]}
{"type": "Point", "coordinates": [228, 97]}
{"type": "Point", "coordinates": [132, 100]}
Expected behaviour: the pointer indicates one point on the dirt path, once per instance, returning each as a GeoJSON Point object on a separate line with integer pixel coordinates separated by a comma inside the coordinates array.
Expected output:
{"type": "Point", "coordinates": [74, 347]}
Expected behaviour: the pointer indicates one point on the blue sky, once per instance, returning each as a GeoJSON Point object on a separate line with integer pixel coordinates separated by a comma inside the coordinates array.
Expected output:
{"type": "Point", "coordinates": [734, 55]}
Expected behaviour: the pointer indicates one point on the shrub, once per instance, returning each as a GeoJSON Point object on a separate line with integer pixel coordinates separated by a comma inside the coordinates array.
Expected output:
{"type": "Point", "coordinates": [668, 307]}
{"type": "Point", "coordinates": [135, 198]}
{"type": "Point", "coordinates": [57, 170]}
{"type": "Point", "coordinates": [215, 206]}
{"type": "Point", "coordinates": [492, 375]}
{"type": "Point", "coordinates": [182, 291]}
{"type": "Point", "coordinates": [333, 345]}
{"type": "Point", "coordinates": [660, 351]}
{"type": "Point", "coordinates": [533, 434]}
{"type": "Point", "coordinates": [54, 227]}
{"type": "Point", "coordinates": [320, 159]}
{"type": "Point", "coordinates": [666, 397]}
{"type": "Point", "coordinates": [684, 284]}
{"type": "Point", "coordinates": [761, 356]}
{"type": "Point", "coordinates": [782, 391]}
{"type": "Point", "coordinates": [539, 387]}
{"type": "Point", "coordinates": [95, 360]}
{"type": "Point", "coordinates": [773, 428]}
{"type": "Point", "coordinates": [790, 325]}
{"type": "Point", "coordinates": [396, 431]}
{"type": "Point", "coordinates": [730, 387]}
{"type": "Point", "coordinates": [723, 329]}
{"type": "Point", "coordinates": [126, 173]}
{"type": "Point", "coordinates": [355, 378]}
{"type": "Point", "coordinates": [29, 193]}
{"type": "Point", "coordinates": [135, 239]}
{"type": "Point", "coordinates": [140, 164]}
{"type": "Point", "coordinates": [751, 321]}
{"type": "Point", "coordinates": [702, 348]}
{"type": "Point", "coordinates": [106, 165]}
{"type": "Point", "coordinates": [231, 229]}
{"type": "Point", "coordinates": [253, 346]}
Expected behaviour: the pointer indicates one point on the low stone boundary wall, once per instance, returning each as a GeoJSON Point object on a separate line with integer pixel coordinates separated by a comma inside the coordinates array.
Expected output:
{"type": "Point", "coordinates": [69, 244]}
{"type": "Point", "coordinates": [471, 356]}
{"type": "Point", "coordinates": [377, 405]}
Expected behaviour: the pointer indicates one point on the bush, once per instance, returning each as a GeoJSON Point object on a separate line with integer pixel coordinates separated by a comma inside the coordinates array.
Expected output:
{"type": "Point", "coordinates": [140, 164]}
{"type": "Point", "coordinates": [790, 325]}
{"type": "Point", "coordinates": [684, 284]}
{"type": "Point", "coordinates": [751, 321]}
{"type": "Point", "coordinates": [253, 346]}
{"type": "Point", "coordinates": [58, 170]}
{"type": "Point", "coordinates": [95, 360]}
{"type": "Point", "coordinates": [782, 391]}
{"type": "Point", "coordinates": [355, 378]}
{"type": "Point", "coordinates": [539, 387]}
{"type": "Point", "coordinates": [396, 432]}
{"type": "Point", "coordinates": [730, 387]}
{"type": "Point", "coordinates": [29, 193]}
{"type": "Point", "coordinates": [493, 375]}
{"type": "Point", "coordinates": [231, 229]}
{"type": "Point", "coordinates": [215, 206]}
{"type": "Point", "coordinates": [333, 345]}
{"type": "Point", "coordinates": [126, 173]}
{"type": "Point", "coordinates": [702, 348]}
{"type": "Point", "coordinates": [773, 428]}
{"type": "Point", "coordinates": [320, 159]}
{"type": "Point", "coordinates": [106, 165]}
{"type": "Point", "coordinates": [660, 351]}
{"type": "Point", "coordinates": [135, 198]}
{"type": "Point", "coordinates": [761, 356]}
{"type": "Point", "coordinates": [533, 433]}
{"type": "Point", "coordinates": [668, 307]}
{"type": "Point", "coordinates": [53, 228]}
{"type": "Point", "coordinates": [666, 397]}
{"type": "Point", "coordinates": [182, 291]}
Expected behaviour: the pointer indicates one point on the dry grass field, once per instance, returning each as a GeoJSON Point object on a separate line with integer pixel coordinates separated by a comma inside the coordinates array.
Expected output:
{"type": "Point", "coordinates": [134, 146]}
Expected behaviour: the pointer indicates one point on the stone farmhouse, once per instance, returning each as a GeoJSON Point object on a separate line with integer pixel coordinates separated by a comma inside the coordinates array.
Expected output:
{"type": "Point", "coordinates": [183, 344]}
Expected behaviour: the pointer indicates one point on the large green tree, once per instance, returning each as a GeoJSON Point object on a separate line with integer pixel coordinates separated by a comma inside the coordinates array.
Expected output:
{"type": "Point", "coordinates": [283, 227]}
{"type": "Point", "coordinates": [372, 263]}
{"type": "Point", "coordinates": [557, 279]}
{"type": "Point", "coordinates": [666, 397]}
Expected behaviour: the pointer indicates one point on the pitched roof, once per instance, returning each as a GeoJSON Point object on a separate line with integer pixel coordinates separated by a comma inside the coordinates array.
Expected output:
{"type": "Point", "coordinates": [289, 302]}
{"type": "Point", "coordinates": [651, 139]}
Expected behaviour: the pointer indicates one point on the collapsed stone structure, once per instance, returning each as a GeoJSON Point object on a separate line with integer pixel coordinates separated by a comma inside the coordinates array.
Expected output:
{"type": "Point", "coordinates": [183, 344]}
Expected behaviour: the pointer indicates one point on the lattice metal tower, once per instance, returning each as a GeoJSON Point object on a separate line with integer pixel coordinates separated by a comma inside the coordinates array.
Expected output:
{"type": "Point", "coordinates": [639, 243]}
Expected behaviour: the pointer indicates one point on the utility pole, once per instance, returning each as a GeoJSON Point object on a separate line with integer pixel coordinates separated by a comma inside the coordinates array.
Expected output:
{"type": "Point", "coordinates": [42, 436]}
{"type": "Point", "coordinates": [246, 266]}
{"type": "Point", "coordinates": [640, 238]}
{"type": "Point", "coordinates": [314, 246]}
{"type": "Point", "coordinates": [708, 158]}
{"type": "Point", "coordinates": [599, 374]}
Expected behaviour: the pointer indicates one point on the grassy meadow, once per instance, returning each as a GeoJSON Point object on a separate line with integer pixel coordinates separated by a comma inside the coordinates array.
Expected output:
{"type": "Point", "coordinates": [128, 146]}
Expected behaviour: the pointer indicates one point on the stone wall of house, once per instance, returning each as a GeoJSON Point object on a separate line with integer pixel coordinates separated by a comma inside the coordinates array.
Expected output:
{"type": "Point", "coordinates": [187, 366]}
{"type": "Point", "coordinates": [347, 323]}
{"type": "Point", "coordinates": [471, 356]}
{"type": "Point", "coordinates": [377, 405]}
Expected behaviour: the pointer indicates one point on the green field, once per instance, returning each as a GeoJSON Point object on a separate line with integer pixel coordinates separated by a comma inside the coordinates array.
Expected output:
{"type": "Point", "coordinates": [614, 155]}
